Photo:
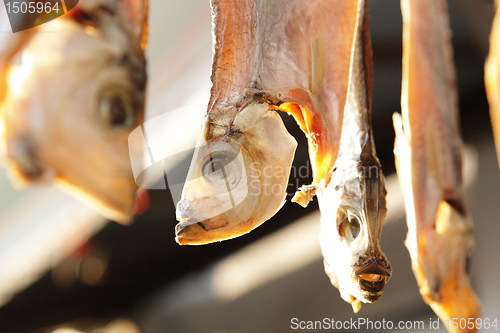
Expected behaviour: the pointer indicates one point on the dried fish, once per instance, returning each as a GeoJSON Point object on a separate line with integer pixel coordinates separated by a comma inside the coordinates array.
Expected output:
{"type": "Point", "coordinates": [428, 153]}
{"type": "Point", "coordinates": [269, 55]}
{"type": "Point", "coordinates": [352, 195]}
{"type": "Point", "coordinates": [240, 169]}
{"type": "Point", "coordinates": [71, 91]}
{"type": "Point", "coordinates": [312, 60]}
{"type": "Point", "coordinates": [492, 78]}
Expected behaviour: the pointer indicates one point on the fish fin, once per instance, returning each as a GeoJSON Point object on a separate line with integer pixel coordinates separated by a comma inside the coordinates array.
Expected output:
{"type": "Point", "coordinates": [305, 194]}
{"type": "Point", "coordinates": [356, 306]}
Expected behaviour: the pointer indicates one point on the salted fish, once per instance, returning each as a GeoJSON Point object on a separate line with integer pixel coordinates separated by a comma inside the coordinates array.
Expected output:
{"type": "Point", "coordinates": [71, 91]}
{"type": "Point", "coordinates": [268, 56]}
{"type": "Point", "coordinates": [428, 152]}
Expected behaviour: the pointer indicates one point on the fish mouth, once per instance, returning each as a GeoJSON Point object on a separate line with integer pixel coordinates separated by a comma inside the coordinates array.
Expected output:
{"type": "Point", "coordinates": [190, 231]}
{"type": "Point", "coordinates": [189, 226]}
{"type": "Point", "coordinates": [185, 225]}
{"type": "Point", "coordinates": [372, 273]}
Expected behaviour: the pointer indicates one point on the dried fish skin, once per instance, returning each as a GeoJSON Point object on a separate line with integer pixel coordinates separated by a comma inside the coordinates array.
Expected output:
{"type": "Point", "coordinates": [283, 51]}
{"type": "Point", "coordinates": [428, 152]}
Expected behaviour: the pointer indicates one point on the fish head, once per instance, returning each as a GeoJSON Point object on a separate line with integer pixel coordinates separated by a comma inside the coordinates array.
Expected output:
{"type": "Point", "coordinates": [441, 269]}
{"type": "Point", "coordinates": [237, 180]}
{"type": "Point", "coordinates": [75, 95]}
{"type": "Point", "coordinates": [353, 208]}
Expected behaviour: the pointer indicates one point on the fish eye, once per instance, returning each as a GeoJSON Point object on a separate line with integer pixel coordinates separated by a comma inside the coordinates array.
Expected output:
{"type": "Point", "coordinates": [85, 18]}
{"type": "Point", "coordinates": [222, 166]}
{"type": "Point", "coordinates": [355, 226]}
{"type": "Point", "coordinates": [116, 110]}
{"type": "Point", "coordinates": [350, 226]}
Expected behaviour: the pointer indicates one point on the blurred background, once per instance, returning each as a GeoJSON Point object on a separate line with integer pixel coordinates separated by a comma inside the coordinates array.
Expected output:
{"type": "Point", "coordinates": [64, 269]}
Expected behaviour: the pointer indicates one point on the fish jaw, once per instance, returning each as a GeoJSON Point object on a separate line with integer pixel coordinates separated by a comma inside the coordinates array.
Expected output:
{"type": "Point", "coordinates": [352, 210]}
{"type": "Point", "coordinates": [444, 283]}
{"type": "Point", "coordinates": [238, 179]}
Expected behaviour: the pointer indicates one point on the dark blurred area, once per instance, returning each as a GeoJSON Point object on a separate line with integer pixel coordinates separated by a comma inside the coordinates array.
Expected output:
{"type": "Point", "coordinates": [121, 267]}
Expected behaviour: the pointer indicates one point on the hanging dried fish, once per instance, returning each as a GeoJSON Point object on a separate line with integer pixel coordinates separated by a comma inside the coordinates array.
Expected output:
{"type": "Point", "coordinates": [428, 153]}
{"type": "Point", "coordinates": [312, 60]}
{"type": "Point", "coordinates": [269, 55]}
{"type": "Point", "coordinates": [492, 78]}
{"type": "Point", "coordinates": [352, 195]}
{"type": "Point", "coordinates": [71, 90]}
{"type": "Point", "coordinates": [240, 169]}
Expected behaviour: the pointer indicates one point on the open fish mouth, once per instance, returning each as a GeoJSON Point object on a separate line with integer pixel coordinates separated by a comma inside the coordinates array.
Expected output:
{"type": "Point", "coordinates": [372, 273]}
{"type": "Point", "coordinates": [186, 224]}
{"type": "Point", "coordinates": [198, 230]}
{"type": "Point", "coordinates": [183, 224]}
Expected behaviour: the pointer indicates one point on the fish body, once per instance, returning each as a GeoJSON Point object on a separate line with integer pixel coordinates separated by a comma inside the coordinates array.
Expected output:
{"type": "Point", "coordinates": [352, 197]}
{"type": "Point", "coordinates": [240, 169]}
{"type": "Point", "coordinates": [69, 104]}
{"type": "Point", "coordinates": [428, 153]}
{"type": "Point", "coordinates": [492, 78]}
